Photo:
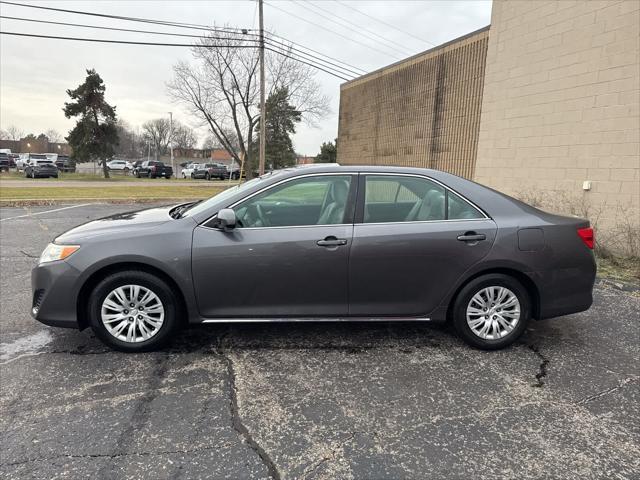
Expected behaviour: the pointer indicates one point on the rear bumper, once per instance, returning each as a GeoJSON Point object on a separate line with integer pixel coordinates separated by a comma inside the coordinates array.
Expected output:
{"type": "Point", "coordinates": [54, 296]}
{"type": "Point", "coordinates": [566, 290]}
{"type": "Point", "coordinates": [45, 173]}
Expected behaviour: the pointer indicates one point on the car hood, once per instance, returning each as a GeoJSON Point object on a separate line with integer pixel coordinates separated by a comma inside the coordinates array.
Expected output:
{"type": "Point", "coordinates": [121, 223]}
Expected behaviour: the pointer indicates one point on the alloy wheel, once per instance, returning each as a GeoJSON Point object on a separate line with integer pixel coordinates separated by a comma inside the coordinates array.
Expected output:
{"type": "Point", "coordinates": [132, 313]}
{"type": "Point", "coordinates": [493, 312]}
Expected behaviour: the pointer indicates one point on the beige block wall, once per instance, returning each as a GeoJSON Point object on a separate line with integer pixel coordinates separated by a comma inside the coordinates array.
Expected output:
{"type": "Point", "coordinates": [561, 106]}
{"type": "Point", "coordinates": [421, 112]}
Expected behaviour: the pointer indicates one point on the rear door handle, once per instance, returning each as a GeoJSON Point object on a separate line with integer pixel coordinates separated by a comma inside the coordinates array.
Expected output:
{"type": "Point", "coordinates": [472, 237]}
{"type": "Point", "coordinates": [332, 242]}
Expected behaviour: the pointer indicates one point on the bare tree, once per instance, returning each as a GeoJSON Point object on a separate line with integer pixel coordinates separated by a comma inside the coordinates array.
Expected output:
{"type": "Point", "coordinates": [131, 144]}
{"type": "Point", "coordinates": [4, 135]}
{"type": "Point", "coordinates": [53, 136]}
{"type": "Point", "coordinates": [15, 133]}
{"type": "Point", "coordinates": [222, 89]}
{"type": "Point", "coordinates": [157, 132]}
{"type": "Point", "coordinates": [184, 138]}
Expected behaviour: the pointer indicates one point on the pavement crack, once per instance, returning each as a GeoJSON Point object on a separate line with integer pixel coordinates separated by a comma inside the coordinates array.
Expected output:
{"type": "Point", "coordinates": [330, 456]}
{"type": "Point", "coordinates": [236, 419]}
{"type": "Point", "coordinates": [607, 391]}
{"type": "Point", "coordinates": [140, 414]}
{"type": "Point", "coordinates": [28, 254]}
{"type": "Point", "coordinates": [542, 371]}
{"type": "Point", "coordinates": [114, 455]}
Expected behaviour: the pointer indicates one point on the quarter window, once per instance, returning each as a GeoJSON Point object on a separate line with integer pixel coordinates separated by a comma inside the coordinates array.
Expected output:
{"type": "Point", "coordinates": [318, 200]}
{"type": "Point", "coordinates": [459, 209]}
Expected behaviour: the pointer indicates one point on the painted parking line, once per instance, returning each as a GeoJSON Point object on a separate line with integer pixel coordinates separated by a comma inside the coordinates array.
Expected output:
{"type": "Point", "coordinates": [48, 211]}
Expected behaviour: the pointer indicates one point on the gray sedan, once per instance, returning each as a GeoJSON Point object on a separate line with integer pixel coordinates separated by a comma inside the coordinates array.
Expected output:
{"type": "Point", "coordinates": [320, 243]}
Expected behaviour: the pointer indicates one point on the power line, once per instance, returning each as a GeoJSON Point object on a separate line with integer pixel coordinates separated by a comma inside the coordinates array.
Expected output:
{"type": "Point", "coordinates": [279, 45]}
{"type": "Point", "coordinates": [385, 23]}
{"type": "Point", "coordinates": [189, 45]}
{"type": "Point", "coordinates": [352, 69]}
{"type": "Point", "coordinates": [133, 19]}
{"type": "Point", "coordinates": [332, 31]}
{"type": "Point", "coordinates": [344, 23]}
{"type": "Point", "coordinates": [98, 27]}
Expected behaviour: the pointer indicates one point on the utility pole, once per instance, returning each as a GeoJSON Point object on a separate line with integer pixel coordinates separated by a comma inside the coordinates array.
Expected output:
{"type": "Point", "coordinates": [173, 165]}
{"type": "Point", "coordinates": [263, 109]}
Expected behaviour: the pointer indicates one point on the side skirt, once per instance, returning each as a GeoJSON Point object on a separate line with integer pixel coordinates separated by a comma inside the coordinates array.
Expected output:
{"type": "Point", "coordinates": [316, 319]}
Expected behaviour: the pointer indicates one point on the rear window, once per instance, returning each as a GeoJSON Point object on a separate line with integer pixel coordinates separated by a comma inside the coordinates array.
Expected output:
{"type": "Point", "coordinates": [39, 157]}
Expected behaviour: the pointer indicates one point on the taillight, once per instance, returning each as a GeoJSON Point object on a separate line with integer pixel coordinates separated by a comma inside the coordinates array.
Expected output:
{"type": "Point", "coordinates": [587, 236]}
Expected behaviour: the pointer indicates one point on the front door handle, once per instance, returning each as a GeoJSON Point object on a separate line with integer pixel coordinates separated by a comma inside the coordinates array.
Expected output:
{"type": "Point", "coordinates": [472, 237]}
{"type": "Point", "coordinates": [331, 242]}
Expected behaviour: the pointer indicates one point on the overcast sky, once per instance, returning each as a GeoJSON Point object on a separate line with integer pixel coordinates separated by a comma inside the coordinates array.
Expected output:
{"type": "Point", "coordinates": [34, 73]}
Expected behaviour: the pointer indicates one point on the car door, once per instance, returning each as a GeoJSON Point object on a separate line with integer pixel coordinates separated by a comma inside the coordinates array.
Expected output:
{"type": "Point", "coordinates": [413, 238]}
{"type": "Point", "coordinates": [287, 257]}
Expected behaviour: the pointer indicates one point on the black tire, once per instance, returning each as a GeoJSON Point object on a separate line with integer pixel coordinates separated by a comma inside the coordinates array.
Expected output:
{"type": "Point", "coordinates": [170, 304]}
{"type": "Point", "coordinates": [476, 285]}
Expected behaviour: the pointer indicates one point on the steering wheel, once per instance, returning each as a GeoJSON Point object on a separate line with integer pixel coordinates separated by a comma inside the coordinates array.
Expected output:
{"type": "Point", "coordinates": [261, 216]}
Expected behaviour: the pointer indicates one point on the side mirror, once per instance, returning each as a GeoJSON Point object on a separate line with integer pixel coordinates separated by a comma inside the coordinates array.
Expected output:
{"type": "Point", "coordinates": [226, 219]}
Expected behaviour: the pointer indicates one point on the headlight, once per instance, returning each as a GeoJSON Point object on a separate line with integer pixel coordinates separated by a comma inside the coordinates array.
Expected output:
{"type": "Point", "coordinates": [55, 252]}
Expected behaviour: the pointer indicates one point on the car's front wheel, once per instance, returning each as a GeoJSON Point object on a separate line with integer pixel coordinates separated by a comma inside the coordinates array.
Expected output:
{"type": "Point", "coordinates": [492, 311]}
{"type": "Point", "coordinates": [133, 311]}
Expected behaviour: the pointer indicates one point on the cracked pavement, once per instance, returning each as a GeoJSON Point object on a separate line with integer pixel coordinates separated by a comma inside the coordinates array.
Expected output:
{"type": "Point", "coordinates": [317, 401]}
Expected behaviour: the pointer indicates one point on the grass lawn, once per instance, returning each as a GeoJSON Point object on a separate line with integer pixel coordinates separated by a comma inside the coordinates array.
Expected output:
{"type": "Point", "coordinates": [8, 194]}
{"type": "Point", "coordinates": [87, 177]}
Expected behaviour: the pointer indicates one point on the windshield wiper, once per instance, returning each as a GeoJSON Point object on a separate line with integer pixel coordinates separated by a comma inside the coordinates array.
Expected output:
{"type": "Point", "coordinates": [179, 211]}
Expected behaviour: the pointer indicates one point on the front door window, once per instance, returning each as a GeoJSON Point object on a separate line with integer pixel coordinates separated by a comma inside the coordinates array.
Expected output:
{"type": "Point", "coordinates": [316, 200]}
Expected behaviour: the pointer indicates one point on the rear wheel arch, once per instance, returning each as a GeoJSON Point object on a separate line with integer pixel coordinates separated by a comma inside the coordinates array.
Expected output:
{"type": "Point", "coordinates": [82, 302]}
{"type": "Point", "coordinates": [525, 280]}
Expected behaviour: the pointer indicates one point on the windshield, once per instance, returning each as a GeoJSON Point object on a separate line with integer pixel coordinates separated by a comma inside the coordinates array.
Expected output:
{"type": "Point", "coordinates": [229, 192]}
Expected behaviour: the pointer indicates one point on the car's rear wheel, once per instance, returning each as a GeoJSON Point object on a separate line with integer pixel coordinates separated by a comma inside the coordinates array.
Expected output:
{"type": "Point", "coordinates": [133, 311]}
{"type": "Point", "coordinates": [492, 311]}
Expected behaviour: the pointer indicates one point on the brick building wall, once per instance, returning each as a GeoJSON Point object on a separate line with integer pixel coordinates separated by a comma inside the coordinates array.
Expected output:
{"type": "Point", "coordinates": [561, 106]}
{"type": "Point", "coordinates": [421, 112]}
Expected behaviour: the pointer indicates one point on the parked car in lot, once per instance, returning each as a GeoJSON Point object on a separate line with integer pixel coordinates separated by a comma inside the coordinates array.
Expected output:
{"type": "Point", "coordinates": [25, 158]}
{"type": "Point", "coordinates": [154, 169]}
{"type": "Point", "coordinates": [40, 168]}
{"type": "Point", "coordinates": [120, 166]}
{"type": "Point", "coordinates": [210, 170]}
{"type": "Point", "coordinates": [13, 158]}
{"type": "Point", "coordinates": [188, 169]}
{"type": "Point", "coordinates": [65, 164]}
{"type": "Point", "coordinates": [4, 162]}
{"type": "Point", "coordinates": [321, 243]}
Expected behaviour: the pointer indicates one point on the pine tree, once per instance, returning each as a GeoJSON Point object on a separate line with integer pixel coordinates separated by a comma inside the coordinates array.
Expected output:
{"type": "Point", "coordinates": [328, 153]}
{"type": "Point", "coordinates": [281, 123]}
{"type": "Point", "coordinates": [95, 135]}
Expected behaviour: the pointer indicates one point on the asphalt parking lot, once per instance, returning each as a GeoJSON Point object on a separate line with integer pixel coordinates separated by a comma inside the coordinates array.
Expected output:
{"type": "Point", "coordinates": [330, 400]}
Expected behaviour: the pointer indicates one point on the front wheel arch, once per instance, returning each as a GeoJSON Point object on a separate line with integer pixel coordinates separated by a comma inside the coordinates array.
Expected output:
{"type": "Point", "coordinates": [82, 302]}
{"type": "Point", "coordinates": [525, 280]}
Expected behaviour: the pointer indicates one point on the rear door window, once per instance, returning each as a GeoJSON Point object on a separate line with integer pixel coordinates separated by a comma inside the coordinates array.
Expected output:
{"type": "Point", "coordinates": [391, 198]}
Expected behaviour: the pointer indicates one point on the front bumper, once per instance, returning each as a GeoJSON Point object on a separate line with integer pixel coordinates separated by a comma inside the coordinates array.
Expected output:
{"type": "Point", "coordinates": [54, 289]}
